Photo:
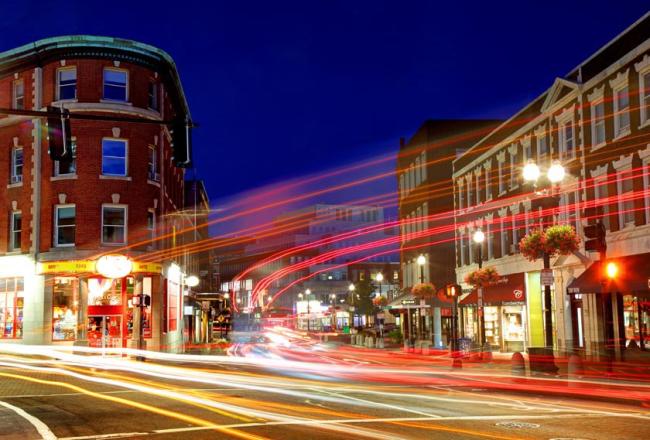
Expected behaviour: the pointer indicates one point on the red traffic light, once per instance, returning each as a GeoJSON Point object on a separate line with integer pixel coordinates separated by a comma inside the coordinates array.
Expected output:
{"type": "Point", "coordinates": [453, 290]}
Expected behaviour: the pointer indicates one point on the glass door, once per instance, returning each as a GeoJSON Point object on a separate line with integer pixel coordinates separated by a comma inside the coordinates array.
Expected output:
{"type": "Point", "coordinates": [105, 331]}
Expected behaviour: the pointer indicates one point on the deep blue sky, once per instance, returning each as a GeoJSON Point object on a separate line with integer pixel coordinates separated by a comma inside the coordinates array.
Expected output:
{"type": "Point", "coordinates": [284, 89]}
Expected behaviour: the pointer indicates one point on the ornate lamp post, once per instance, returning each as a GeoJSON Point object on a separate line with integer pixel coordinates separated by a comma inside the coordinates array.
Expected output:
{"type": "Point", "coordinates": [555, 174]}
{"type": "Point", "coordinates": [479, 238]}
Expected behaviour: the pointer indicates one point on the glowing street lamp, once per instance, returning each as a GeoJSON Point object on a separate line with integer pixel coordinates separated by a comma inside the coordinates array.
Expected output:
{"type": "Point", "coordinates": [192, 281]}
{"type": "Point", "coordinates": [556, 173]}
{"type": "Point", "coordinates": [479, 238]}
{"type": "Point", "coordinates": [611, 269]}
{"type": "Point", "coordinates": [421, 260]}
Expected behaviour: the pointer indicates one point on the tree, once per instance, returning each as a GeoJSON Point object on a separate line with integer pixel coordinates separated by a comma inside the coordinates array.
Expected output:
{"type": "Point", "coordinates": [363, 301]}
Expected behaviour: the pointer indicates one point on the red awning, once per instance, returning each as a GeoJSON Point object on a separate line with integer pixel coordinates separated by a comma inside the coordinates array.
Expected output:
{"type": "Point", "coordinates": [509, 289]}
{"type": "Point", "coordinates": [633, 277]}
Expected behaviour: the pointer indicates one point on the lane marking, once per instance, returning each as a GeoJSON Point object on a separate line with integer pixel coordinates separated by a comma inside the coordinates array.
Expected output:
{"type": "Point", "coordinates": [21, 396]}
{"type": "Point", "coordinates": [42, 428]}
{"type": "Point", "coordinates": [335, 422]}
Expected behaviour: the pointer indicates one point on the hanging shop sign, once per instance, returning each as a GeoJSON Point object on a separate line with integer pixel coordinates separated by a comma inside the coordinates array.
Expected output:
{"type": "Point", "coordinates": [65, 267]}
{"type": "Point", "coordinates": [114, 266]}
{"type": "Point", "coordinates": [146, 267]}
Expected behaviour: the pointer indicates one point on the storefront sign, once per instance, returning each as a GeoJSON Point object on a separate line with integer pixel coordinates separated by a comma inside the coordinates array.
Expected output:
{"type": "Point", "coordinates": [146, 267]}
{"type": "Point", "coordinates": [73, 266]}
{"type": "Point", "coordinates": [546, 277]}
{"type": "Point", "coordinates": [114, 266]}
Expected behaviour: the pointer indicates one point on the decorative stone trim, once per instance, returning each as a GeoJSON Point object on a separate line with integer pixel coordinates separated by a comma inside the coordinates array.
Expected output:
{"type": "Point", "coordinates": [596, 94]}
{"type": "Point", "coordinates": [501, 156]}
{"type": "Point", "coordinates": [623, 162]}
{"type": "Point", "coordinates": [598, 171]}
{"type": "Point", "coordinates": [621, 80]}
{"type": "Point", "coordinates": [643, 64]}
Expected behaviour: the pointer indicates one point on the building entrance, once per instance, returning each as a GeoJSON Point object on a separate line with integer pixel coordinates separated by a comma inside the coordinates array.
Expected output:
{"type": "Point", "coordinates": [105, 331]}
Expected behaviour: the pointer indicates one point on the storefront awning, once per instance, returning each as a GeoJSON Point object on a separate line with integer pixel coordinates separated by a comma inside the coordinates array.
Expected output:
{"type": "Point", "coordinates": [633, 277]}
{"type": "Point", "coordinates": [510, 289]}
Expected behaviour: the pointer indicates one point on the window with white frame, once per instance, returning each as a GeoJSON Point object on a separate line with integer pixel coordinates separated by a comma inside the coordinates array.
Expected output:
{"type": "Point", "coordinates": [528, 149]}
{"type": "Point", "coordinates": [567, 140]}
{"type": "Point", "coordinates": [479, 188]}
{"type": "Point", "coordinates": [621, 98]}
{"type": "Point", "coordinates": [488, 183]}
{"type": "Point", "coordinates": [65, 225]}
{"type": "Point", "coordinates": [514, 165]}
{"type": "Point", "coordinates": [490, 239]}
{"type": "Point", "coordinates": [114, 154]}
{"type": "Point", "coordinates": [425, 214]}
{"type": "Point", "coordinates": [502, 185]}
{"type": "Point", "coordinates": [418, 171]}
{"type": "Point", "coordinates": [468, 182]}
{"type": "Point", "coordinates": [401, 184]}
{"type": "Point", "coordinates": [542, 145]}
{"type": "Point", "coordinates": [114, 221]}
{"type": "Point", "coordinates": [625, 186]}
{"type": "Point", "coordinates": [16, 165]}
{"type": "Point", "coordinates": [15, 230]}
{"type": "Point", "coordinates": [418, 225]}
{"type": "Point", "coordinates": [423, 162]}
{"type": "Point", "coordinates": [461, 196]}
{"type": "Point", "coordinates": [153, 95]}
{"type": "Point", "coordinates": [151, 226]}
{"type": "Point", "coordinates": [601, 194]}
{"type": "Point", "coordinates": [461, 245]}
{"type": "Point", "coordinates": [597, 123]}
{"type": "Point", "coordinates": [116, 85]}
{"type": "Point", "coordinates": [505, 242]}
{"type": "Point", "coordinates": [644, 89]}
{"type": "Point", "coordinates": [569, 209]}
{"type": "Point", "coordinates": [66, 83]}
{"type": "Point", "coordinates": [471, 257]}
{"type": "Point", "coordinates": [152, 167]}
{"type": "Point", "coordinates": [18, 94]}
{"type": "Point", "coordinates": [67, 168]}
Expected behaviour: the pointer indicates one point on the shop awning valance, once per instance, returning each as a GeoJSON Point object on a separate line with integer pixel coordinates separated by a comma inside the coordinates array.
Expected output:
{"type": "Point", "coordinates": [633, 276]}
{"type": "Point", "coordinates": [510, 289]}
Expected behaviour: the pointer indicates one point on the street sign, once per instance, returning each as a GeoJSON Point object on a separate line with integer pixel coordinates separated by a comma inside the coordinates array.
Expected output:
{"type": "Point", "coordinates": [406, 302]}
{"type": "Point", "coordinates": [546, 277]}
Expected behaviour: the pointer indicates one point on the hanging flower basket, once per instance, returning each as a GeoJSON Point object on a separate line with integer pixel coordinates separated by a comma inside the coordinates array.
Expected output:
{"type": "Point", "coordinates": [482, 277]}
{"type": "Point", "coordinates": [380, 301]}
{"type": "Point", "coordinates": [424, 290]}
{"type": "Point", "coordinates": [533, 245]}
{"type": "Point", "coordinates": [561, 239]}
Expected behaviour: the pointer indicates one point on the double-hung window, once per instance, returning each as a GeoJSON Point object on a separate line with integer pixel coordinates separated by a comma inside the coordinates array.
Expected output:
{"type": "Point", "coordinates": [151, 226]}
{"type": "Point", "coordinates": [66, 83]}
{"type": "Point", "coordinates": [114, 153]}
{"type": "Point", "coordinates": [514, 166]}
{"type": "Point", "coordinates": [567, 140]}
{"type": "Point", "coordinates": [19, 94]}
{"type": "Point", "coordinates": [625, 184]}
{"type": "Point", "coordinates": [114, 221]}
{"type": "Point", "coordinates": [502, 185]}
{"type": "Point", "coordinates": [15, 230]}
{"type": "Point", "coordinates": [153, 95]}
{"type": "Point", "coordinates": [621, 111]}
{"type": "Point", "coordinates": [542, 146]}
{"type": "Point", "coordinates": [67, 168]}
{"type": "Point", "coordinates": [597, 123]}
{"type": "Point", "coordinates": [116, 85]}
{"type": "Point", "coordinates": [65, 225]}
{"type": "Point", "coordinates": [644, 89]}
{"type": "Point", "coordinates": [469, 191]}
{"type": "Point", "coordinates": [152, 167]}
{"type": "Point", "coordinates": [601, 194]}
{"type": "Point", "coordinates": [478, 189]}
{"type": "Point", "coordinates": [16, 165]}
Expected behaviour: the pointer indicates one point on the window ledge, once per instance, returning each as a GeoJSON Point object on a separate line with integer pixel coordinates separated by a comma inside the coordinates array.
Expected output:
{"type": "Point", "coordinates": [105, 177]}
{"type": "Point", "coordinates": [63, 101]}
{"type": "Point", "coordinates": [598, 146]}
{"type": "Point", "coordinates": [502, 193]}
{"type": "Point", "coordinates": [115, 101]}
{"type": "Point", "coordinates": [58, 247]}
{"type": "Point", "coordinates": [622, 134]}
{"type": "Point", "coordinates": [64, 177]}
{"type": "Point", "coordinates": [15, 185]}
{"type": "Point", "coordinates": [153, 182]}
{"type": "Point", "coordinates": [644, 124]}
{"type": "Point", "coordinates": [113, 244]}
{"type": "Point", "coordinates": [14, 252]}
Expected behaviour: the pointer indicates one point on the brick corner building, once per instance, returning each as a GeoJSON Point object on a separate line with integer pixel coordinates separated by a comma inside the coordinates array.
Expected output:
{"type": "Point", "coordinates": [113, 198]}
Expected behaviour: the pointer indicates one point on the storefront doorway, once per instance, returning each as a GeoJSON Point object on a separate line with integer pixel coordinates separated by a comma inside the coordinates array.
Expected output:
{"type": "Point", "coordinates": [105, 331]}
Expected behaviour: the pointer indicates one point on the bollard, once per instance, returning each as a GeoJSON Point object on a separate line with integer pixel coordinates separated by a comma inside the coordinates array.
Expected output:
{"type": "Point", "coordinates": [426, 348]}
{"type": "Point", "coordinates": [418, 347]}
{"type": "Point", "coordinates": [486, 355]}
{"type": "Point", "coordinates": [518, 364]}
{"type": "Point", "coordinates": [457, 363]}
{"type": "Point", "coordinates": [380, 342]}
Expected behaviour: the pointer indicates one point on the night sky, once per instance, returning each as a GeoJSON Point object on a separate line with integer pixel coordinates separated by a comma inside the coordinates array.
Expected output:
{"type": "Point", "coordinates": [288, 89]}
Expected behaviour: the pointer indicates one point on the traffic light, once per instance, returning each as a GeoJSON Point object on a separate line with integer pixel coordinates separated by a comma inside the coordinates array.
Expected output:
{"type": "Point", "coordinates": [596, 233]}
{"type": "Point", "coordinates": [181, 132]}
{"type": "Point", "coordinates": [453, 290]}
{"type": "Point", "coordinates": [58, 134]}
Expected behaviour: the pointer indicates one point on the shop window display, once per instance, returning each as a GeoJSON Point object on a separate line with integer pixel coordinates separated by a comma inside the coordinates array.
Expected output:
{"type": "Point", "coordinates": [636, 316]}
{"type": "Point", "coordinates": [65, 304]}
{"type": "Point", "coordinates": [513, 328]}
{"type": "Point", "coordinates": [104, 292]}
{"type": "Point", "coordinates": [492, 330]}
{"type": "Point", "coordinates": [11, 308]}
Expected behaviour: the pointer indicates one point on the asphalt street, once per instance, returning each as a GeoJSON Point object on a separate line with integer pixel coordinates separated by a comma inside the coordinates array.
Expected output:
{"type": "Point", "coordinates": [97, 398]}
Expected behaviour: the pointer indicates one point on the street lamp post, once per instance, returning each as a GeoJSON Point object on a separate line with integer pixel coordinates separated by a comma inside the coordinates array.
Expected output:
{"type": "Point", "coordinates": [351, 289]}
{"type": "Point", "coordinates": [307, 293]}
{"type": "Point", "coordinates": [555, 174]}
{"type": "Point", "coordinates": [380, 277]}
{"type": "Point", "coordinates": [479, 238]}
{"type": "Point", "coordinates": [422, 260]}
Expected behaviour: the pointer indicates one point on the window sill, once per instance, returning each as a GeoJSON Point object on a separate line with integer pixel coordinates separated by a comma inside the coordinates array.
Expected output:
{"type": "Point", "coordinates": [113, 244]}
{"type": "Point", "coordinates": [644, 124]}
{"type": "Point", "coordinates": [598, 146]}
{"type": "Point", "coordinates": [153, 182]}
{"type": "Point", "coordinates": [622, 134]}
{"type": "Point", "coordinates": [14, 252]}
{"type": "Point", "coordinates": [502, 193]}
{"type": "Point", "coordinates": [115, 101]}
{"type": "Point", "coordinates": [63, 247]}
{"type": "Point", "coordinates": [63, 101]}
{"type": "Point", "coordinates": [105, 177]}
{"type": "Point", "coordinates": [64, 177]}
{"type": "Point", "coordinates": [15, 185]}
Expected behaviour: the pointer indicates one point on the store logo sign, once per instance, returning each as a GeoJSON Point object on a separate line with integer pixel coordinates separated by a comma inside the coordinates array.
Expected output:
{"type": "Point", "coordinates": [518, 294]}
{"type": "Point", "coordinates": [114, 266]}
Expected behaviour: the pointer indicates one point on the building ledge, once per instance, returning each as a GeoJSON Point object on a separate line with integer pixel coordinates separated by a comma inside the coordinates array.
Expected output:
{"type": "Point", "coordinates": [105, 177]}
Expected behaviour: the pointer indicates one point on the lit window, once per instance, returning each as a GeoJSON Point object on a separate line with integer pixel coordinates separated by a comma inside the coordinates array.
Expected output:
{"type": "Point", "coordinates": [542, 145]}
{"type": "Point", "coordinates": [15, 232]}
{"type": "Point", "coordinates": [11, 308]}
{"type": "Point", "coordinates": [65, 307]}
{"type": "Point", "coordinates": [115, 85]}
{"type": "Point", "coordinates": [153, 95]}
{"type": "Point", "coordinates": [67, 83]}
{"type": "Point", "coordinates": [19, 94]}
{"type": "Point", "coordinates": [597, 123]}
{"type": "Point", "coordinates": [113, 224]}
{"type": "Point", "coordinates": [621, 111]}
{"type": "Point", "coordinates": [65, 225]}
{"type": "Point", "coordinates": [645, 96]}
{"type": "Point", "coordinates": [114, 157]}
{"type": "Point", "coordinates": [152, 170]}
{"type": "Point", "coordinates": [478, 189]}
{"type": "Point", "coordinates": [502, 186]}
{"type": "Point", "coordinates": [16, 165]}
{"type": "Point", "coordinates": [469, 192]}
{"type": "Point", "coordinates": [625, 182]}
{"type": "Point", "coordinates": [514, 163]}
{"type": "Point", "coordinates": [567, 141]}
{"type": "Point", "coordinates": [67, 168]}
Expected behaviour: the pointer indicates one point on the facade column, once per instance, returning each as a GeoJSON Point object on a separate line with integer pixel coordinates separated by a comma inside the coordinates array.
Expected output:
{"type": "Point", "coordinates": [437, 327]}
{"type": "Point", "coordinates": [137, 340]}
{"type": "Point", "coordinates": [37, 328]}
{"type": "Point", "coordinates": [82, 313]}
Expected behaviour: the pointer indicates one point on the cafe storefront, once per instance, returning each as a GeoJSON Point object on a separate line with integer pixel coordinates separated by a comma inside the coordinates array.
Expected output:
{"type": "Point", "coordinates": [92, 301]}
